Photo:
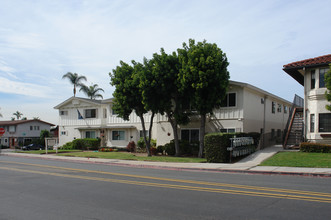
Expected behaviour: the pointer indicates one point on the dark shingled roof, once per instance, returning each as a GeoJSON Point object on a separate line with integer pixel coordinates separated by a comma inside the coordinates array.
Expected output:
{"type": "Point", "coordinates": [16, 122]}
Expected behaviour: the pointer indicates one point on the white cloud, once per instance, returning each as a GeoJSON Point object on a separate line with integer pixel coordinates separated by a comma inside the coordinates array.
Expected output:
{"type": "Point", "coordinates": [21, 88]}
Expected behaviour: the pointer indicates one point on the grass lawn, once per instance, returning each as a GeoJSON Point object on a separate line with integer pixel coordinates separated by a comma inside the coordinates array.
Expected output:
{"type": "Point", "coordinates": [299, 159]}
{"type": "Point", "coordinates": [129, 156]}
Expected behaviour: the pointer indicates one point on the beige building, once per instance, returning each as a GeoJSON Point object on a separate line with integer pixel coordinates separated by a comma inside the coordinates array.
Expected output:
{"type": "Point", "coordinates": [310, 74]}
{"type": "Point", "coordinates": [246, 109]}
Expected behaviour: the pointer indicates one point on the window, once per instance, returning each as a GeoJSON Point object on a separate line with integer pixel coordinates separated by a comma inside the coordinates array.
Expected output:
{"type": "Point", "coordinates": [141, 133]}
{"type": "Point", "coordinates": [104, 113]}
{"type": "Point", "coordinates": [272, 133]}
{"type": "Point", "coordinates": [312, 79]}
{"type": "Point", "coordinates": [321, 77]}
{"type": "Point", "coordinates": [229, 100]}
{"type": "Point", "coordinates": [312, 122]}
{"type": "Point", "coordinates": [285, 109]}
{"type": "Point", "coordinates": [279, 109]}
{"type": "Point", "coordinates": [31, 128]}
{"type": "Point", "coordinates": [118, 135]}
{"type": "Point", "coordinates": [90, 134]}
{"type": "Point", "coordinates": [324, 122]}
{"type": "Point", "coordinates": [279, 133]}
{"type": "Point", "coordinates": [273, 107]}
{"type": "Point", "coordinates": [12, 128]}
{"type": "Point", "coordinates": [63, 112]}
{"type": "Point", "coordinates": [36, 128]}
{"type": "Point", "coordinates": [64, 133]}
{"type": "Point", "coordinates": [190, 135]}
{"type": "Point", "coordinates": [90, 113]}
{"type": "Point", "coordinates": [228, 130]}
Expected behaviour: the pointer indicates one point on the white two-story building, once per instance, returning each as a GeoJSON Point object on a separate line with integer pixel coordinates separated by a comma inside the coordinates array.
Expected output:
{"type": "Point", "coordinates": [310, 74]}
{"type": "Point", "coordinates": [245, 109]}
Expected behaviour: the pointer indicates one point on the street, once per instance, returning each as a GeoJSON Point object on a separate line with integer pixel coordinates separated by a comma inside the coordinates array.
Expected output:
{"type": "Point", "coordinates": [49, 189]}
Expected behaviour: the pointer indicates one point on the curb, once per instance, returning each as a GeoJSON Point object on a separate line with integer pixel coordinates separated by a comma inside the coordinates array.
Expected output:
{"type": "Point", "coordinates": [217, 170]}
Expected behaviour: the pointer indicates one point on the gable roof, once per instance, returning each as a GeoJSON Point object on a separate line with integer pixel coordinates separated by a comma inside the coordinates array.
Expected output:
{"type": "Point", "coordinates": [92, 101]}
{"type": "Point", "coordinates": [258, 90]}
{"type": "Point", "coordinates": [293, 68]}
{"type": "Point", "coordinates": [17, 122]}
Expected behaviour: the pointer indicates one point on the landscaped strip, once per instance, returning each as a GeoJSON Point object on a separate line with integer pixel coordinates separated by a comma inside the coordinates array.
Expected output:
{"type": "Point", "coordinates": [299, 159]}
{"type": "Point", "coordinates": [129, 156]}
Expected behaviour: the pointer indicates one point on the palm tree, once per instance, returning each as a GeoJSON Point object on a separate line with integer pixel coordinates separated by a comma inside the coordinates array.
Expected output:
{"type": "Point", "coordinates": [75, 79]}
{"type": "Point", "coordinates": [92, 91]}
{"type": "Point", "coordinates": [18, 114]}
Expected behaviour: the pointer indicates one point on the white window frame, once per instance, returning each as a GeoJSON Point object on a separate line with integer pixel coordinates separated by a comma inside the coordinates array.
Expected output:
{"type": "Point", "coordinates": [63, 112]}
{"type": "Point", "coordinates": [90, 116]}
{"type": "Point", "coordinates": [115, 139]}
{"type": "Point", "coordinates": [228, 130]}
{"type": "Point", "coordinates": [228, 100]}
{"type": "Point", "coordinates": [91, 131]}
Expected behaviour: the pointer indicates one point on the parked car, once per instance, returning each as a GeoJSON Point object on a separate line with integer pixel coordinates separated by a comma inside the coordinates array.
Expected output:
{"type": "Point", "coordinates": [33, 147]}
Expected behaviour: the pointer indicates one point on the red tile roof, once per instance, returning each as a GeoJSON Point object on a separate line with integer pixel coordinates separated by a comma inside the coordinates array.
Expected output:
{"type": "Point", "coordinates": [326, 59]}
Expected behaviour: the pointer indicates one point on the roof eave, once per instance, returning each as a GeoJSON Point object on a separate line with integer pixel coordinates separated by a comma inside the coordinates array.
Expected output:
{"type": "Point", "coordinates": [295, 74]}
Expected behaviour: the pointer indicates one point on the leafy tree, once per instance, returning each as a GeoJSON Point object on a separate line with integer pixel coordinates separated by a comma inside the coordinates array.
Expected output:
{"type": "Point", "coordinates": [204, 73]}
{"type": "Point", "coordinates": [128, 94]}
{"type": "Point", "coordinates": [44, 134]}
{"type": "Point", "coordinates": [24, 118]}
{"type": "Point", "coordinates": [18, 114]}
{"type": "Point", "coordinates": [92, 91]}
{"type": "Point", "coordinates": [161, 90]}
{"type": "Point", "coordinates": [74, 79]}
{"type": "Point", "coordinates": [328, 86]}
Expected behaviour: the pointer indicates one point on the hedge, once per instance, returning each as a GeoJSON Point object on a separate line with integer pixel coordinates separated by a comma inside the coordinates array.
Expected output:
{"type": "Point", "coordinates": [185, 148]}
{"type": "Point", "coordinates": [86, 144]}
{"type": "Point", "coordinates": [315, 147]}
{"type": "Point", "coordinates": [216, 145]}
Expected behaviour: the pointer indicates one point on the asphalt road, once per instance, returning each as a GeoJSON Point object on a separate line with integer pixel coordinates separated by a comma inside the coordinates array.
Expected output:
{"type": "Point", "coordinates": [45, 189]}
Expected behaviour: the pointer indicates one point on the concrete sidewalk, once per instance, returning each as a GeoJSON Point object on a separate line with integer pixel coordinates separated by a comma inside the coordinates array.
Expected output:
{"type": "Point", "coordinates": [247, 165]}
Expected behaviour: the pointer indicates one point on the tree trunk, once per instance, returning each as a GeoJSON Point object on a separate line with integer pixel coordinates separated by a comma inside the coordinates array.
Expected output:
{"type": "Point", "coordinates": [173, 123]}
{"type": "Point", "coordinates": [202, 135]}
{"type": "Point", "coordinates": [147, 143]}
{"type": "Point", "coordinates": [150, 128]}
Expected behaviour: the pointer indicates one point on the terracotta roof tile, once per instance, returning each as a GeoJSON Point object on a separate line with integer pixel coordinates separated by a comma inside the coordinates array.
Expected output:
{"type": "Point", "coordinates": [326, 59]}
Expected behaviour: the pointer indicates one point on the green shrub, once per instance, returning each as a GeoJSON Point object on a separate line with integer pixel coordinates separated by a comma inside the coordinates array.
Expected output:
{"type": "Point", "coordinates": [67, 146]}
{"type": "Point", "coordinates": [185, 148]}
{"type": "Point", "coordinates": [216, 145]}
{"type": "Point", "coordinates": [160, 149]}
{"type": "Point", "coordinates": [170, 148]}
{"type": "Point", "coordinates": [142, 145]}
{"type": "Point", "coordinates": [86, 144]}
{"type": "Point", "coordinates": [315, 147]}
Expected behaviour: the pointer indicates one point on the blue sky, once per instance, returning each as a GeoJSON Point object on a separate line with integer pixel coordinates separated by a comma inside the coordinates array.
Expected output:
{"type": "Point", "coordinates": [41, 40]}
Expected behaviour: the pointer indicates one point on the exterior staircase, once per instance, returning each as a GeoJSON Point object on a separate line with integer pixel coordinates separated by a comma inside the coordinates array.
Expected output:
{"type": "Point", "coordinates": [294, 132]}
